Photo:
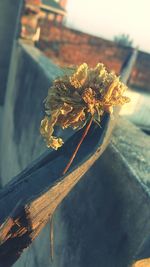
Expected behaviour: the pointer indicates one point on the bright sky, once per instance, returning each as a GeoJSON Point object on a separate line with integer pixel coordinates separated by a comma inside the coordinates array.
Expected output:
{"type": "Point", "coordinates": [108, 18]}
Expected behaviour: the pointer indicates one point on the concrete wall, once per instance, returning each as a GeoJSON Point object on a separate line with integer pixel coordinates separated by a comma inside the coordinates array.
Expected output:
{"type": "Point", "coordinates": [9, 26]}
{"type": "Point", "coordinates": [106, 216]}
{"type": "Point", "coordinates": [30, 77]}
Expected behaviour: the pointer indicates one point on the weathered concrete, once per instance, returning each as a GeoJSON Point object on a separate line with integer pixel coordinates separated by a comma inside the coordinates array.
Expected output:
{"type": "Point", "coordinates": [9, 28]}
{"type": "Point", "coordinates": [105, 218]}
{"type": "Point", "coordinates": [31, 75]}
{"type": "Point", "coordinates": [138, 109]}
{"type": "Point", "coordinates": [1, 123]}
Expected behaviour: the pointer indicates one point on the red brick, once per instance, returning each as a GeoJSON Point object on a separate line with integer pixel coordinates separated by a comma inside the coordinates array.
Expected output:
{"type": "Point", "coordinates": [70, 47]}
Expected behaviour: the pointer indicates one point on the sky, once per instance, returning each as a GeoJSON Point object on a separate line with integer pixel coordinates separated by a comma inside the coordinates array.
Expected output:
{"type": "Point", "coordinates": [107, 18]}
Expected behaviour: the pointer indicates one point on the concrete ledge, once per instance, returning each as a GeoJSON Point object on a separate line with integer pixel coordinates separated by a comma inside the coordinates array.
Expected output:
{"type": "Point", "coordinates": [31, 74]}
{"type": "Point", "coordinates": [134, 146]}
{"type": "Point", "coordinates": [9, 27]}
{"type": "Point", "coordinates": [105, 219]}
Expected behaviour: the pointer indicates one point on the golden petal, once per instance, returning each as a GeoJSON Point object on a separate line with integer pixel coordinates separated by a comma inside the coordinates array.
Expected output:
{"type": "Point", "coordinates": [79, 77]}
{"type": "Point", "coordinates": [142, 263]}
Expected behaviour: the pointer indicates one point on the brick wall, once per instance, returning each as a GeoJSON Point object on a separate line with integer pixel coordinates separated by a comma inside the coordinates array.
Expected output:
{"type": "Point", "coordinates": [33, 2]}
{"type": "Point", "coordinates": [69, 47]}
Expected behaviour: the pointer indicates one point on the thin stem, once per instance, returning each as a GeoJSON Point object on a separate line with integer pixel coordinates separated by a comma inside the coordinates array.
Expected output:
{"type": "Point", "coordinates": [78, 146]}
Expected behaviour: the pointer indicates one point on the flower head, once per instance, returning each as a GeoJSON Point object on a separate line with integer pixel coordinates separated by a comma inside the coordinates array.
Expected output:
{"type": "Point", "coordinates": [73, 99]}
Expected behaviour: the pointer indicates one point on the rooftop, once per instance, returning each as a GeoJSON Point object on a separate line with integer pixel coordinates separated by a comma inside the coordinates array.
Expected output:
{"type": "Point", "coordinates": [52, 6]}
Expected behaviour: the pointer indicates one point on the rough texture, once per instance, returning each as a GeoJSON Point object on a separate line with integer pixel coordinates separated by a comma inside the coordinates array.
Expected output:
{"type": "Point", "coordinates": [106, 217]}
{"type": "Point", "coordinates": [74, 47]}
{"type": "Point", "coordinates": [28, 85]}
{"type": "Point", "coordinates": [133, 146]}
{"type": "Point", "coordinates": [9, 27]}
{"type": "Point", "coordinates": [68, 46]}
{"type": "Point", "coordinates": [118, 230]}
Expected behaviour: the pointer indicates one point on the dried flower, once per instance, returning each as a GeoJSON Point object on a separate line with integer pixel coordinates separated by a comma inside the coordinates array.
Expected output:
{"type": "Point", "coordinates": [73, 99]}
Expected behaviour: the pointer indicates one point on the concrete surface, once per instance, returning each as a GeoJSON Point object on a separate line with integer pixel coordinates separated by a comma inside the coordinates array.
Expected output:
{"type": "Point", "coordinates": [1, 123]}
{"type": "Point", "coordinates": [104, 220]}
{"type": "Point", "coordinates": [30, 77]}
{"type": "Point", "coordinates": [138, 109]}
{"type": "Point", "coordinates": [9, 27]}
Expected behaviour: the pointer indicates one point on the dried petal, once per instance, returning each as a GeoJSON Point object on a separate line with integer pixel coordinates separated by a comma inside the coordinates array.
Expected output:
{"type": "Point", "coordinates": [73, 119]}
{"type": "Point", "coordinates": [46, 128]}
{"type": "Point", "coordinates": [55, 142]}
{"type": "Point", "coordinates": [89, 97]}
{"type": "Point", "coordinates": [98, 92]}
{"type": "Point", "coordinates": [79, 77]}
{"type": "Point", "coordinates": [66, 108]}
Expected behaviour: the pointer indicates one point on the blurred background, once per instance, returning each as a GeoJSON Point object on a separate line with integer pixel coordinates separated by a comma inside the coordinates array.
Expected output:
{"type": "Point", "coordinates": [72, 32]}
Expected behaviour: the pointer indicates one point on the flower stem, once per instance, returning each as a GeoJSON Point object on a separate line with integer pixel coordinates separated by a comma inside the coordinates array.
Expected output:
{"type": "Point", "coordinates": [78, 146]}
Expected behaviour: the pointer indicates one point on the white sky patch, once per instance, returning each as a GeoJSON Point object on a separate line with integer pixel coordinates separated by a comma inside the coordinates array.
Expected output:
{"type": "Point", "coordinates": [109, 18]}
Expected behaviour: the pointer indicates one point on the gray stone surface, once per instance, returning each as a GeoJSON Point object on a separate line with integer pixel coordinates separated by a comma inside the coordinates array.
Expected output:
{"type": "Point", "coordinates": [105, 218]}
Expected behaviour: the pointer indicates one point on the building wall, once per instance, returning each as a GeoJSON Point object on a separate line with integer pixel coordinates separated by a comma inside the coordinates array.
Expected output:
{"type": "Point", "coordinates": [73, 47]}
{"type": "Point", "coordinates": [63, 3]}
{"type": "Point", "coordinates": [70, 47]}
